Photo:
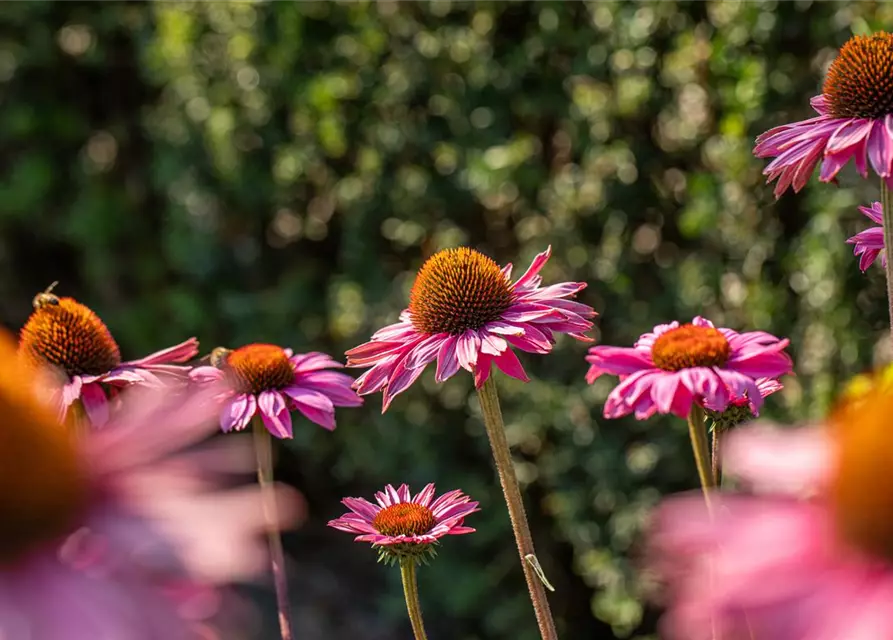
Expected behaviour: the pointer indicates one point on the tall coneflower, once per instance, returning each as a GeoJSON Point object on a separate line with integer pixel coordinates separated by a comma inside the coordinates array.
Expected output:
{"type": "Point", "coordinates": [855, 122]}
{"type": "Point", "coordinates": [465, 312]}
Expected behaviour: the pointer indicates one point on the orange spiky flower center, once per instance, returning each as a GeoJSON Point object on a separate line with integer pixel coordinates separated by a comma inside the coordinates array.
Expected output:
{"type": "Point", "coordinates": [65, 334]}
{"type": "Point", "coordinates": [404, 519]}
{"type": "Point", "coordinates": [859, 83]}
{"type": "Point", "coordinates": [457, 290]}
{"type": "Point", "coordinates": [258, 367]}
{"type": "Point", "coordinates": [690, 346]}
{"type": "Point", "coordinates": [862, 487]}
{"type": "Point", "coordinates": [44, 489]}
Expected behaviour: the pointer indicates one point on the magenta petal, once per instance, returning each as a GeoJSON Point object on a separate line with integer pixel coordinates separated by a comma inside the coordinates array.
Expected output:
{"type": "Point", "coordinates": [315, 406]}
{"type": "Point", "coordinates": [237, 412]}
{"type": "Point", "coordinates": [529, 279]}
{"type": "Point", "coordinates": [482, 369]}
{"type": "Point", "coordinates": [95, 404]}
{"type": "Point", "coordinates": [447, 360]}
{"type": "Point", "coordinates": [274, 412]}
{"type": "Point", "coordinates": [508, 363]}
{"type": "Point", "coordinates": [178, 353]}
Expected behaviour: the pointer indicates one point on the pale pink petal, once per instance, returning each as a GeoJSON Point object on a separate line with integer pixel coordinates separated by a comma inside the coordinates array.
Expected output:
{"type": "Point", "coordinates": [275, 414]}
{"type": "Point", "coordinates": [237, 412]}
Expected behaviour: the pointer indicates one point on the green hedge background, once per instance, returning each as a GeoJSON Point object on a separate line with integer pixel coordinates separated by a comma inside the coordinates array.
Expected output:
{"type": "Point", "coordinates": [276, 171]}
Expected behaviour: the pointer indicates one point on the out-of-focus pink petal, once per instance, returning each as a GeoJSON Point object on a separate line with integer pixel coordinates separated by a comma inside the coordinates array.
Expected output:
{"type": "Point", "coordinates": [237, 412]}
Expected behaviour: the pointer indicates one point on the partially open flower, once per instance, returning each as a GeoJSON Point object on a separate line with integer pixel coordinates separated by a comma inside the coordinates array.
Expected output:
{"type": "Point", "coordinates": [64, 335]}
{"type": "Point", "coordinates": [465, 312]}
{"type": "Point", "coordinates": [267, 380]}
{"type": "Point", "coordinates": [403, 525]}
{"type": "Point", "coordinates": [676, 365]}
{"type": "Point", "coordinates": [808, 554]}
{"type": "Point", "coordinates": [869, 244]}
{"type": "Point", "coordinates": [855, 120]}
{"type": "Point", "coordinates": [104, 536]}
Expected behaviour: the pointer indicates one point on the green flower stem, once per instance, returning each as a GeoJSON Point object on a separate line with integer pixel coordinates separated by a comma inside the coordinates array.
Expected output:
{"type": "Point", "coordinates": [697, 431]}
{"type": "Point", "coordinates": [502, 456]}
{"type": "Point", "coordinates": [714, 456]}
{"type": "Point", "coordinates": [263, 447]}
{"type": "Point", "coordinates": [887, 207]}
{"type": "Point", "coordinates": [411, 592]}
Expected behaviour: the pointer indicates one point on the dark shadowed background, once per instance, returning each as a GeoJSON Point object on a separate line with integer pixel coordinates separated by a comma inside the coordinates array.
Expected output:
{"type": "Point", "coordinates": [276, 171]}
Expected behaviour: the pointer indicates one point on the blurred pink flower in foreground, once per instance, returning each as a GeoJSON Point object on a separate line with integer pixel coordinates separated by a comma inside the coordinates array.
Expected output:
{"type": "Point", "coordinates": [267, 380]}
{"type": "Point", "coordinates": [807, 556]}
{"type": "Point", "coordinates": [465, 312]}
{"type": "Point", "coordinates": [855, 120]}
{"type": "Point", "coordinates": [675, 365]}
{"type": "Point", "coordinates": [112, 534]}
{"type": "Point", "coordinates": [70, 338]}
{"type": "Point", "coordinates": [870, 243]}
{"type": "Point", "coordinates": [401, 521]}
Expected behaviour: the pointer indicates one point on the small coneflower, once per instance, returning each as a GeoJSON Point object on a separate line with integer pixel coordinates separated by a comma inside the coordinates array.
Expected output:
{"type": "Point", "coordinates": [105, 534]}
{"type": "Point", "coordinates": [405, 529]}
{"type": "Point", "coordinates": [676, 366]}
{"type": "Point", "coordinates": [68, 337]}
{"type": "Point", "coordinates": [269, 381]}
{"type": "Point", "coordinates": [869, 244]}
{"type": "Point", "coordinates": [807, 553]}
{"type": "Point", "coordinates": [855, 120]}
{"type": "Point", "coordinates": [465, 312]}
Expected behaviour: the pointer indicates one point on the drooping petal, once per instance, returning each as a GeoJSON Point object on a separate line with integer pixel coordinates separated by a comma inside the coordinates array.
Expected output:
{"type": "Point", "coordinates": [275, 414]}
{"type": "Point", "coordinates": [237, 412]}
{"type": "Point", "coordinates": [315, 406]}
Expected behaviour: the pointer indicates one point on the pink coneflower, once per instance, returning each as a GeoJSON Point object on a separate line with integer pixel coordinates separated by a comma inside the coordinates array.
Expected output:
{"type": "Point", "coordinates": [103, 536]}
{"type": "Point", "coordinates": [401, 521]}
{"type": "Point", "coordinates": [465, 312]}
{"type": "Point", "coordinates": [66, 335]}
{"type": "Point", "coordinates": [269, 381]}
{"type": "Point", "coordinates": [676, 365]}
{"type": "Point", "coordinates": [870, 243]}
{"type": "Point", "coordinates": [855, 120]}
{"type": "Point", "coordinates": [807, 556]}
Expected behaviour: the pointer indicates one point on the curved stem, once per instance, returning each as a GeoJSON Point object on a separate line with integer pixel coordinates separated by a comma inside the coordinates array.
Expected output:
{"type": "Point", "coordinates": [502, 456]}
{"type": "Point", "coordinates": [697, 431]}
{"type": "Point", "coordinates": [887, 207]}
{"type": "Point", "coordinates": [264, 450]}
{"type": "Point", "coordinates": [411, 592]}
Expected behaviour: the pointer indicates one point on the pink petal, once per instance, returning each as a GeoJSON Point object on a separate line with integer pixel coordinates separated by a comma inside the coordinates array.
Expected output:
{"type": "Point", "coordinates": [509, 364]}
{"type": "Point", "coordinates": [95, 404]}
{"type": "Point", "coordinates": [274, 412]}
{"type": "Point", "coordinates": [237, 412]}
{"type": "Point", "coordinates": [315, 406]}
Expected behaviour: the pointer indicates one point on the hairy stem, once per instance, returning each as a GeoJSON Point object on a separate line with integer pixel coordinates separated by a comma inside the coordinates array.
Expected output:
{"type": "Point", "coordinates": [411, 592]}
{"type": "Point", "coordinates": [887, 206]}
{"type": "Point", "coordinates": [697, 431]}
{"type": "Point", "coordinates": [502, 456]}
{"type": "Point", "coordinates": [264, 449]}
{"type": "Point", "coordinates": [714, 456]}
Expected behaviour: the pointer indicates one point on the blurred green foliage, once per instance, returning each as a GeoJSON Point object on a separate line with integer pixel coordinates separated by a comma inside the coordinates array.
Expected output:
{"type": "Point", "coordinates": [275, 172]}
